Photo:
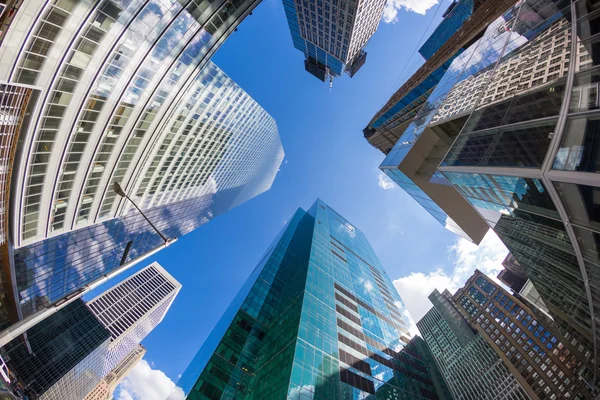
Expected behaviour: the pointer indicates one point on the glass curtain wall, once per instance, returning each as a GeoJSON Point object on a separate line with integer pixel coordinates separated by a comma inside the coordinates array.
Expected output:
{"type": "Point", "coordinates": [526, 156]}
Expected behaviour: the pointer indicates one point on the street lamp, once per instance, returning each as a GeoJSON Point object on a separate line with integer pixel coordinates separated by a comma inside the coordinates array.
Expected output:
{"type": "Point", "coordinates": [21, 327]}
{"type": "Point", "coordinates": [119, 191]}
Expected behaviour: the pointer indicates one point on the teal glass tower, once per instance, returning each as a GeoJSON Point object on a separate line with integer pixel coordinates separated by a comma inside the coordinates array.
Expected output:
{"type": "Point", "coordinates": [318, 319]}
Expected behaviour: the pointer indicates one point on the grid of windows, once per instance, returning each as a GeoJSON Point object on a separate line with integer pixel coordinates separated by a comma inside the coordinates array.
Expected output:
{"type": "Point", "coordinates": [473, 371]}
{"type": "Point", "coordinates": [58, 101]}
{"type": "Point", "coordinates": [125, 64]}
{"type": "Point", "coordinates": [69, 349]}
{"type": "Point", "coordinates": [333, 32]}
{"type": "Point", "coordinates": [80, 380]}
{"type": "Point", "coordinates": [106, 387]}
{"type": "Point", "coordinates": [530, 345]}
{"type": "Point", "coordinates": [335, 336]}
{"type": "Point", "coordinates": [131, 309]}
{"type": "Point", "coordinates": [199, 146]}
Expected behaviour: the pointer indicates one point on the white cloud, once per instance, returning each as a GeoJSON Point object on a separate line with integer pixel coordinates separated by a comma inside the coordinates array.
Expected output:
{"type": "Point", "coordinates": [385, 182]}
{"type": "Point", "coordinates": [465, 257]}
{"type": "Point", "coordinates": [145, 383]}
{"type": "Point", "coordinates": [390, 12]}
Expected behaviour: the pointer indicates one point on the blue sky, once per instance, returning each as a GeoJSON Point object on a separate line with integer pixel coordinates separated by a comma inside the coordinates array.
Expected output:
{"type": "Point", "coordinates": [327, 157]}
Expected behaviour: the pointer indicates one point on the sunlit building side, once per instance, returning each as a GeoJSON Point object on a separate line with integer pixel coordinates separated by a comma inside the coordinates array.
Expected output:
{"type": "Point", "coordinates": [127, 95]}
{"type": "Point", "coordinates": [332, 35]}
{"type": "Point", "coordinates": [318, 318]}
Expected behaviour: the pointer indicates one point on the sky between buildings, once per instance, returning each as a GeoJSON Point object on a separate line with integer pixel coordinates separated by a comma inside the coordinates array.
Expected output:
{"type": "Point", "coordinates": [326, 157]}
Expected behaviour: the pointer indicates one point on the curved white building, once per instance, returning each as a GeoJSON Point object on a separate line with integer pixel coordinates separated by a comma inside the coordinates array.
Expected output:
{"type": "Point", "coordinates": [128, 95]}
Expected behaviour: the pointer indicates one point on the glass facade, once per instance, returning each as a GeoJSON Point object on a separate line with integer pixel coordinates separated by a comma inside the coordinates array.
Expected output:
{"type": "Point", "coordinates": [126, 65]}
{"type": "Point", "coordinates": [318, 319]}
{"type": "Point", "coordinates": [16, 103]}
{"type": "Point", "coordinates": [128, 96]}
{"type": "Point", "coordinates": [458, 12]}
{"type": "Point", "coordinates": [384, 131]}
{"type": "Point", "coordinates": [517, 113]}
{"type": "Point", "coordinates": [470, 366]}
{"type": "Point", "coordinates": [441, 109]}
{"type": "Point", "coordinates": [406, 108]}
{"type": "Point", "coordinates": [68, 352]}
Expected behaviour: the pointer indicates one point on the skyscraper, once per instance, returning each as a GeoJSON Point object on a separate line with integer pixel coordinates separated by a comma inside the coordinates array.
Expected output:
{"type": "Point", "coordinates": [331, 34]}
{"type": "Point", "coordinates": [464, 23]}
{"type": "Point", "coordinates": [133, 308]}
{"type": "Point", "coordinates": [318, 318]}
{"type": "Point", "coordinates": [128, 96]}
{"type": "Point", "coordinates": [517, 118]}
{"type": "Point", "coordinates": [61, 358]}
{"type": "Point", "coordinates": [395, 128]}
{"type": "Point", "coordinates": [512, 275]}
{"type": "Point", "coordinates": [457, 13]}
{"type": "Point", "coordinates": [108, 384]}
{"type": "Point", "coordinates": [471, 367]}
{"type": "Point", "coordinates": [545, 363]}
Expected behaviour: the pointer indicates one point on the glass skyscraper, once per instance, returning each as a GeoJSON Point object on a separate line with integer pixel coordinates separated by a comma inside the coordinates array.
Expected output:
{"type": "Point", "coordinates": [61, 358]}
{"type": "Point", "coordinates": [318, 319]}
{"type": "Point", "coordinates": [456, 14]}
{"type": "Point", "coordinates": [464, 23]}
{"type": "Point", "coordinates": [512, 128]}
{"type": "Point", "coordinates": [128, 96]}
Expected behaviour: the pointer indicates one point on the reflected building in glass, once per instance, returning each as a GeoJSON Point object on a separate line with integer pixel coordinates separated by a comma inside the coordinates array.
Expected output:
{"type": "Point", "coordinates": [318, 319]}
{"type": "Point", "coordinates": [332, 35]}
{"type": "Point", "coordinates": [129, 96]}
{"type": "Point", "coordinates": [412, 164]}
{"type": "Point", "coordinates": [464, 22]}
{"type": "Point", "coordinates": [104, 390]}
{"type": "Point", "coordinates": [457, 13]}
{"type": "Point", "coordinates": [512, 128]}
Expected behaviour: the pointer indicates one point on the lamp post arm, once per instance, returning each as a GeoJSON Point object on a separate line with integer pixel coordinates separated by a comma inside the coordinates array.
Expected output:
{"type": "Point", "coordinates": [146, 218]}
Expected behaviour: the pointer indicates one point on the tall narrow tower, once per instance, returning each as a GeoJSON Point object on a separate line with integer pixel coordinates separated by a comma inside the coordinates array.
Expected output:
{"type": "Point", "coordinates": [133, 308]}
{"type": "Point", "coordinates": [318, 318]}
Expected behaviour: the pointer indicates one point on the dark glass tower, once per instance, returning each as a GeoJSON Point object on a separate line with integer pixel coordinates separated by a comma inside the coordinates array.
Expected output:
{"type": "Point", "coordinates": [69, 346]}
{"type": "Point", "coordinates": [317, 319]}
{"type": "Point", "coordinates": [456, 14]}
